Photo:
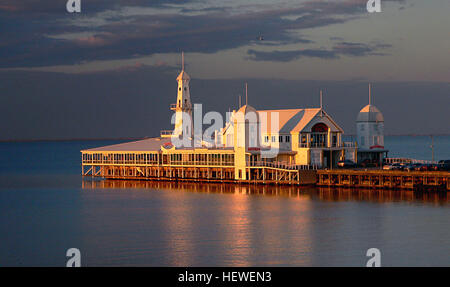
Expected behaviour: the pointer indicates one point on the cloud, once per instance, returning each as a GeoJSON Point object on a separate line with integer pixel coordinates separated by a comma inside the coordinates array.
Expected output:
{"type": "Point", "coordinates": [89, 6]}
{"type": "Point", "coordinates": [286, 56]}
{"type": "Point", "coordinates": [340, 49]}
{"type": "Point", "coordinates": [36, 34]}
{"type": "Point", "coordinates": [360, 49]}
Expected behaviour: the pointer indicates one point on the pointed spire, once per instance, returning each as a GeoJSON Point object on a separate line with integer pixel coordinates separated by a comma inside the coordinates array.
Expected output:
{"type": "Point", "coordinates": [370, 94]}
{"type": "Point", "coordinates": [246, 94]}
{"type": "Point", "coordinates": [321, 99]}
{"type": "Point", "coordinates": [182, 60]}
{"type": "Point", "coordinates": [321, 104]}
{"type": "Point", "coordinates": [183, 75]}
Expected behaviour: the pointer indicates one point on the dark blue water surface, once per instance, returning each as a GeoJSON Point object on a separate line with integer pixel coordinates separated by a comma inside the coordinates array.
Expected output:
{"type": "Point", "coordinates": [46, 207]}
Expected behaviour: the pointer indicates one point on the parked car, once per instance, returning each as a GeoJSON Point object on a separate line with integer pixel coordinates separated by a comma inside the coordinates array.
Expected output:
{"type": "Point", "coordinates": [434, 166]}
{"type": "Point", "coordinates": [387, 167]}
{"type": "Point", "coordinates": [444, 165]}
{"type": "Point", "coordinates": [346, 163]}
{"type": "Point", "coordinates": [398, 166]}
{"type": "Point", "coordinates": [394, 166]}
{"type": "Point", "coordinates": [412, 166]}
{"type": "Point", "coordinates": [428, 167]}
{"type": "Point", "coordinates": [418, 166]}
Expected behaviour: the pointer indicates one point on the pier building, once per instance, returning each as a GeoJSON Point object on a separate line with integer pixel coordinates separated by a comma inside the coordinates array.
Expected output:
{"type": "Point", "coordinates": [284, 146]}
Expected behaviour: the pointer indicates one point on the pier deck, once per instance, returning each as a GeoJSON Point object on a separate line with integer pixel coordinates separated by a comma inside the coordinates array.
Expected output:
{"type": "Point", "coordinates": [385, 179]}
{"type": "Point", "coordinates": [224, 174]}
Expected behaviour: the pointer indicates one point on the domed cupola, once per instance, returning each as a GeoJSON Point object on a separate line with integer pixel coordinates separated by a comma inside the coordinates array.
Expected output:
{"type": "Point", "coordinates": [370, 127]}
{"type": "Point", "coordinates": [370, 113]}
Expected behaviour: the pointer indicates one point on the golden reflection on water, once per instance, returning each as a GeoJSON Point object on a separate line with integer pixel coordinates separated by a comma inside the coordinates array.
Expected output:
{"type": "Point", "coordinates": [299, 192]}
{"type": "Point", "coordinates": [237, 228]}
{"type": "Point", "coordinates": [250, 224]}
{"type": "Point", "coordinates": [178, 226]}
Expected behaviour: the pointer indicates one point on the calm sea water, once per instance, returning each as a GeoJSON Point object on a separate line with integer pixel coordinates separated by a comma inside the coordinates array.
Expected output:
{"type": "Point", "coordinates": [46, 207]}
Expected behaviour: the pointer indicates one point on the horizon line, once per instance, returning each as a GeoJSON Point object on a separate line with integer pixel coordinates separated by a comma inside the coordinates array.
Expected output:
{"type": "Point", "coordinates": [146, 137]}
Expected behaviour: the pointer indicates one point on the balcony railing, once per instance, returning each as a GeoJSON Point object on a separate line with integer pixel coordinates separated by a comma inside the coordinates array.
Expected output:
{"type": "Point", "coordinates": [317, 145]}
{"type": "Point", "coordinates": [349, 144]}
{"type": "Point", "coordinates": [184, 107]}
{"type": "Point", "coordinates": [166, 133]}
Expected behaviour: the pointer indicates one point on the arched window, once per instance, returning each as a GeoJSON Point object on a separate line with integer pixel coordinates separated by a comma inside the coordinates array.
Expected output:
{"type": "Point", "coordinates": [319, 135]}
{"type": "Point", "coordinates": [319, 128]}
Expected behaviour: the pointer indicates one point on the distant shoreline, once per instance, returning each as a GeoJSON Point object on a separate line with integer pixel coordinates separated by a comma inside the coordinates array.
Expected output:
{"type": "Point", "coordinates": [72, 139]}
{"type": "Point", "coordinates": [140, 138]}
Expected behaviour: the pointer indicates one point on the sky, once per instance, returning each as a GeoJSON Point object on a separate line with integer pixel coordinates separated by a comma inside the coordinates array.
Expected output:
{"type": "Point", "coordinates": [110, 70]}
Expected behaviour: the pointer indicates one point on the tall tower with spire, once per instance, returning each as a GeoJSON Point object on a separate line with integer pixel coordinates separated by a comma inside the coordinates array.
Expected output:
{"type": "Point", "coordinates": [183, 106]}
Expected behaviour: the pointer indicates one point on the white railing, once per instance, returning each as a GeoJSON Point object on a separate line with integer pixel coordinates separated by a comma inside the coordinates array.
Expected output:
{"type": "Point", "coordinates": [283, 165]}
{"type": "Point", "coordinates": [349, 144]}
{"type": "Point", "coordinates": [324, 145]}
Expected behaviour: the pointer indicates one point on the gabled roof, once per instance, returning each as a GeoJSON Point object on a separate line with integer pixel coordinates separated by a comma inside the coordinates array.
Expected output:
{"type": "Point", "coordinates": [294, 120]}
{"type": "Point", "coordinates": [151, 144]}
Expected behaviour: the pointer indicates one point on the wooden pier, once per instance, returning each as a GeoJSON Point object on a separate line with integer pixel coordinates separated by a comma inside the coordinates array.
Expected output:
{"type": "Point", "coordinates": [263, 174]}
{"type": "Point", "coordinates": [416, 180]}
{"type": "Point", "coordinates": [212, 166]}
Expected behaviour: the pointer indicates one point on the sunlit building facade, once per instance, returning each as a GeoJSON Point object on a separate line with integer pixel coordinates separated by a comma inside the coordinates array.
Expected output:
{"type": "Point", "coordinates": [265, 145]}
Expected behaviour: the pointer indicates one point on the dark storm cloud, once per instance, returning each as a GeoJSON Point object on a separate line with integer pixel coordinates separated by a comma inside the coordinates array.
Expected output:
{"type": "Point", "coordinates": [34, 30]}
{"type": "Point", "coordinates": [88, 6]}
{"type": "Point", "coordinates": [342, 48]}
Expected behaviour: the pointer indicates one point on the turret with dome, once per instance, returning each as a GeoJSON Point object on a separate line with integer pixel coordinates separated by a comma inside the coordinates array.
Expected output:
{"type": "Point", "coordinates": [370, 133]}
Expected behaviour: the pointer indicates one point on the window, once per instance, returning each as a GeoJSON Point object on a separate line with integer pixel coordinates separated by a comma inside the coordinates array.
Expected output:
{"type": "Point", "coordinates": [280, 139]}
{"type": "Point", "coordinates": [179, 89]}
{"type": "Point", "coordinates": [319, 128]}
{"type": "Point", "coordinates": [185, 88]}
{"type": "Point", "coordinates": [303, 138]}
{"type": "Point", "coordinates": [363, 142]}
{"type": "Point", "coordinates": [266, 139]}
{"type": "Point", "coordinates": [274, 139]}
{"type": "Point", "coordinates": [288, 139]}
